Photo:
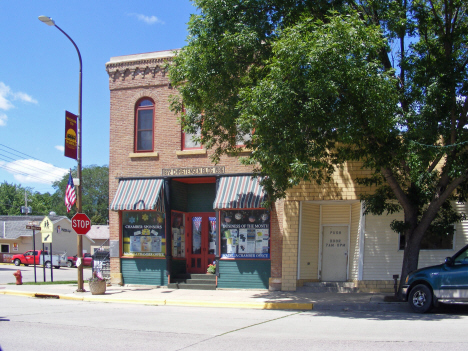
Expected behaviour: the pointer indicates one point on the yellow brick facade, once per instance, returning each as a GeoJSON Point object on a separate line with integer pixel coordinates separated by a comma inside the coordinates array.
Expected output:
{"type": "Point", "coordinates": [341, 190]}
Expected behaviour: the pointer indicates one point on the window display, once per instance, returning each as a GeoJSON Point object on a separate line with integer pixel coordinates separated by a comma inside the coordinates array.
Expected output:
{"type": "Point", "coordinates": [245, 234]}
{"type": "Point", "coordinates": [143, 233]}
{"type": "Point", "coordinates": [178, 234]}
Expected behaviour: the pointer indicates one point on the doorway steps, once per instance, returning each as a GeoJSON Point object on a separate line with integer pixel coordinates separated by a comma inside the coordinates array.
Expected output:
{"type": "Point", "coordinates": [193, 281]}
{"type": "Point", "coordinates": [323, 287]}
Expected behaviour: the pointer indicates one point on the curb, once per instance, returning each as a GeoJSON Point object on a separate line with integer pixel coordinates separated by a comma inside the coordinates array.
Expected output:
{"type": "Point", "coordinates": [246, 305]}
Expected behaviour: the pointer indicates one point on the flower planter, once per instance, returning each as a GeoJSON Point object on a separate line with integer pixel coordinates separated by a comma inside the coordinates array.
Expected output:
{"type": "Point", "coordinates": [97, 287]}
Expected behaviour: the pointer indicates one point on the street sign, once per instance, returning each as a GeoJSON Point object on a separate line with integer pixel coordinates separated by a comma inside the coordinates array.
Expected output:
{"type": "Point", "coordinates": [33, 225]}
{"type": "Point", "coordinates": [46, 238]}
{"type": "Point", "coordinates": [47, 226]}
{"type": "Point", "coordinates": [81, 223]}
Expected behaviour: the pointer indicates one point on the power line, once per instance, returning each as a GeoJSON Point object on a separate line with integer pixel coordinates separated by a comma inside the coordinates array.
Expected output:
{"type": "Point", "coordinates": [25, 174]}
{"type": "Point", "coordinates": [37, 170]}
{"type": "Point", "coordinates": [22, 153]}
{"type": "Point", "coordinates": [19, 156]}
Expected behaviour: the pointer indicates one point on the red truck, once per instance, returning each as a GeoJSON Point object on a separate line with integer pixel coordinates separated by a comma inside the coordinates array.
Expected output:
{"type": "Point", "coordinates": [87, 260]}
{"type": "Point", "coordinates": [27, 258]}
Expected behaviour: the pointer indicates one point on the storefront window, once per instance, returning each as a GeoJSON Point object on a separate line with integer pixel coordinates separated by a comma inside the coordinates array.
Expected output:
{"type": "Point", "coordinates": [178, 234]}
{"type": "Point", "coordinates": [143, 233]}
{"type": "Point", "coordinates": [245, 234]}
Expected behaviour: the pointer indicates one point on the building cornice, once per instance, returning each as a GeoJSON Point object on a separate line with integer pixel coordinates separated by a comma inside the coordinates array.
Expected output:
{"type": "Point", "coordinates": [144, 65]}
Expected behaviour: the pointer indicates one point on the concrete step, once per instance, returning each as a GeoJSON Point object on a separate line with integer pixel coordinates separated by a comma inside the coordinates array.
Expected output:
{"type": "Point", "coordinates": [191, 286]}
{"type": "Point", "coordinates": [322, 287]}
{"type": "Point", "coordinates": [193, 281]}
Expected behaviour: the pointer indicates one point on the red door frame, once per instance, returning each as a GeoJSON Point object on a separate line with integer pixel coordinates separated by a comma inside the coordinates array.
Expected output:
{"type": "Point", "coordinates": [198, 262]}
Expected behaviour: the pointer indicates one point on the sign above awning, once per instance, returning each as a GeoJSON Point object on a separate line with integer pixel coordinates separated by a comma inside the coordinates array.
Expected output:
{"type": "Point", "coordinates": [239, 192]}
{"type": "Point", "coordinates": [138, 194]}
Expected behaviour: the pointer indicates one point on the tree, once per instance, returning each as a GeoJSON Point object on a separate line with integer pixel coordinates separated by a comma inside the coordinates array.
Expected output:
{"type": "Point", "coordinates": [320, 83]}
{"type": "Point", "coordinates": [11, 199]}
{"type": "Point", "coordinates": [95, 193]}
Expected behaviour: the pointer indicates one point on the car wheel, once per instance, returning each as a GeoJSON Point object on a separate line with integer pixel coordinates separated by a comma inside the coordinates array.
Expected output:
{"type": "Point", "coordinates": [48, 264]}
{"type": "Point", "coordinates": [420, 299]}
{"type": "Point", "coordinates": [57, 267]}
{"type": "Point", "coordinates": [17, 262]}
{"type": "Point", "coordinates": [69, 264]}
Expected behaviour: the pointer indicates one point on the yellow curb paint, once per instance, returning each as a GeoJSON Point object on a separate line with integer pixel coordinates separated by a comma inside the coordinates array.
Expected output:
{"type": "Point", "coordinates": [257, 305]}
{"type": "Point", "coordinates": [110, 300]}
{"type": "Point", "coordinates": [263, 306]}
{"type": "Point", "coordinates": [68, 297]}
{"type": "Point", "coordinates": [18, 293]}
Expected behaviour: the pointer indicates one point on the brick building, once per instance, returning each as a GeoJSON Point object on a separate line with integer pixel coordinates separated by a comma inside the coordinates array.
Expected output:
{"type": "Point", "coordinates": [174, 212]}
{"type": "Point", "coordinates": [174, 228]}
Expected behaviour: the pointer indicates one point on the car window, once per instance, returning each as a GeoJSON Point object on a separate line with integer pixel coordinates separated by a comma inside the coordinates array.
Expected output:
{"type": "Point", "coordinates": [462, 258]}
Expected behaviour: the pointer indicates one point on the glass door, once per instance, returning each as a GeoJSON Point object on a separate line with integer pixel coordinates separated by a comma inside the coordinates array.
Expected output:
{"type": "Point", "coordinates": [201, 235]}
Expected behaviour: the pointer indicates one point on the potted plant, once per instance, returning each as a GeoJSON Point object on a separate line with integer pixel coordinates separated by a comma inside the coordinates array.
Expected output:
{"type": "Point", "coordinates": [211, 268]}
{"type": "Point", "coordinates": [97, 284]}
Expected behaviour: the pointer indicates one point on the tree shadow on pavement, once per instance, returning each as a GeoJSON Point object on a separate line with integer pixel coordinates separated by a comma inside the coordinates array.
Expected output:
{"type": "Point", "coordinates": [402, 312]}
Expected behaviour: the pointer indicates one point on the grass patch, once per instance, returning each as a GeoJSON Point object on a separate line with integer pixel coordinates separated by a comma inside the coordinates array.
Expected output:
{"type": "Point", "coordinates": [49, 283]}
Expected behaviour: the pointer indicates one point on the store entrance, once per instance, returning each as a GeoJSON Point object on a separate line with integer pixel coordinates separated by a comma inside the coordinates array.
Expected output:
{"type": "Point", "coordinates": [200, 241]}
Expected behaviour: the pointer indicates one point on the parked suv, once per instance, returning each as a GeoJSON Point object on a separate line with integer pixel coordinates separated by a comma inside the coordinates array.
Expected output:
{"type": "Point", "coordinates": [447, 283]}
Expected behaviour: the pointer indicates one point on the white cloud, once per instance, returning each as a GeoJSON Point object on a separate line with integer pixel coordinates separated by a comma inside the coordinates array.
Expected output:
{"type": "Point", "coordinates": [3, 119]}
{"type": "Point", "coordinates": [60, 148]}
{"type": "Point", "coordinates": [24, 97]}
{"type": "Point", "coordinates": [34, 171]}
{"type": "Point", "coordinates": [147, 19]}
{"type": "Point", "coordinates": [5, 104]}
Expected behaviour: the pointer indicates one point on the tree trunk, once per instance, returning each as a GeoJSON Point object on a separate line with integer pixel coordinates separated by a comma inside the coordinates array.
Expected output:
{"type": "Point", "coordinates": [410, 263]}
{"type": "Point", "coordinates": [413, 239]}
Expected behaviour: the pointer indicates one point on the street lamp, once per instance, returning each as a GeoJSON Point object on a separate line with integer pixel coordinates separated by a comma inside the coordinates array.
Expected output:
{"type": "Point", "coordinates": [50, 22]}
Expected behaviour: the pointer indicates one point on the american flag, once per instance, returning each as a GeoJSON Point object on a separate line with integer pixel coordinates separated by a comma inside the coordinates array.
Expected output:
{"type": "Point", "coordinates": [70, 196]}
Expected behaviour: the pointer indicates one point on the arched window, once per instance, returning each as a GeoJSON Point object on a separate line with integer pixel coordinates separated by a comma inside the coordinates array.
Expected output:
{"type": "Point", "coordinates": [144, 126]}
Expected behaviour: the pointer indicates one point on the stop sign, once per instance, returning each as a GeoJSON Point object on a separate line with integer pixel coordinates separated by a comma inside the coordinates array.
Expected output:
{"type": "Point", "coordinates": [81, 223]}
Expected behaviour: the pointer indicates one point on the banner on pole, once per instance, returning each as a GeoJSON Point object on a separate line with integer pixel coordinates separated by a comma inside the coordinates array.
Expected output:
{"type": "Point", "coordinates": [70, 135]}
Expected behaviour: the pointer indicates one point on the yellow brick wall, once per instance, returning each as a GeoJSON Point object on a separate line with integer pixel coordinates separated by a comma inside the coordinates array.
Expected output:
{"type": "Point", "coordinates": [341, 187]}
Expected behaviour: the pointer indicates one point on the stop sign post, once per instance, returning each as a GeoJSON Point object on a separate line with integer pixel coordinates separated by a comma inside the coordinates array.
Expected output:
{"type": "Point", "coordinates": [81, 223]}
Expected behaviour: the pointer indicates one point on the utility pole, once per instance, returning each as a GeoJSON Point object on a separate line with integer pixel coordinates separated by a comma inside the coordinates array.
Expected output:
{"type": "Point", "coordinates": [26, 210]}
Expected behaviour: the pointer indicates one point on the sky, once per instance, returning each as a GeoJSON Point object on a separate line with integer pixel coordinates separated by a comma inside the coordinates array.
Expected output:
{"type": "Point", "coordinates": [39, 76]}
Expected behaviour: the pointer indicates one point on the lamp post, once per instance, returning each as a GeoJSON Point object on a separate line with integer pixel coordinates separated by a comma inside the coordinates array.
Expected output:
{"type": "Point", "coordinates": [50, 22]}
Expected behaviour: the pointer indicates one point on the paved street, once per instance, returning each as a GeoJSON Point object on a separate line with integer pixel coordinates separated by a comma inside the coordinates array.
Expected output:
{"type": "Point", "coordinates": [64, 273]}
{"type": "Point", "coordinates": [50, 324]}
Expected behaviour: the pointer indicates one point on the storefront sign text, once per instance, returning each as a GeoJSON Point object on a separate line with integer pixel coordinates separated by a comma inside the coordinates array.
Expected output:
{"type": "Point", "coordinates": [193, 171]}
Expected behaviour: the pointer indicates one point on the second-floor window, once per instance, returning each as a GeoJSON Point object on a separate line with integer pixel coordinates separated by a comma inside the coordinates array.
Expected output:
{"type": "Point", "coordinates": [187, 141]}
{"type": "Point", "coordinates": [242, 140]}
{"type": "Point", "coordinates": [144, 125]}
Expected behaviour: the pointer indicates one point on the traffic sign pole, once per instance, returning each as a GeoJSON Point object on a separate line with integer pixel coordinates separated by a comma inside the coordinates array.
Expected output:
{"type": "Point", "coordinates": [81, 224]}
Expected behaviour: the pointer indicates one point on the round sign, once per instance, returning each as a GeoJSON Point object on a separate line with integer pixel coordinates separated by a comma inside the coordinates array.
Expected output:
{"type": "Point", "coordinates": [81, 223]}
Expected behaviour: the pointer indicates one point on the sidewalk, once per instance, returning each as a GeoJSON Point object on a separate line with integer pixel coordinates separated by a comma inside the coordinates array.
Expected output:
{"type": "Point", "coordinates": [253, 299]}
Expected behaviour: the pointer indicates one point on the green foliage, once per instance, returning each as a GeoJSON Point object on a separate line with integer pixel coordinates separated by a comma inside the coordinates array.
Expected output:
{"type": "Point", "coordinates": [95, 193]}
{"type": "Point", "coordinates": [322, 83]}
{"type": "Point", "coordinates": [95, 196]}
{"type": "Point", "coordinates": [11, 199]}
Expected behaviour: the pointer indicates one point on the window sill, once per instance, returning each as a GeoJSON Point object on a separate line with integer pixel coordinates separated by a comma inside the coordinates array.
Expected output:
{"type": "Point", "coordinates": [143, 154]}
{"type": "Point", "coordinates": [191, 152]}
{"type": "Point", "coordinates": [240, 150]}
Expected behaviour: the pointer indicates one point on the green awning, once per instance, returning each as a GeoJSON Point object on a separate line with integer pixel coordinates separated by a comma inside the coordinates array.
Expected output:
{"type": "Point", "coordinates": [139, 194]}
